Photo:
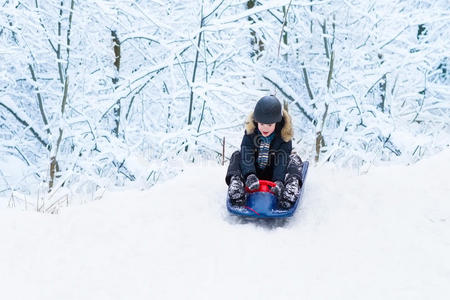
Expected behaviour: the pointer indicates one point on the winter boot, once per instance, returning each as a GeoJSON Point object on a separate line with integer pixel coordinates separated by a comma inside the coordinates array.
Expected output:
{"type": "Point", "coordinates": [236, 191]}
{"type": "Point", "coordinates": [290, 193]}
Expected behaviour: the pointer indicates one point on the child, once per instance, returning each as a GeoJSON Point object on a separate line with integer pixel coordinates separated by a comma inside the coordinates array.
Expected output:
{"type": "Point", "coordinates": [266, 154]}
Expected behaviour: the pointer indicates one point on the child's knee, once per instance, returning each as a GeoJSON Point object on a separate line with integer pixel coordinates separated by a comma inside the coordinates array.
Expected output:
{"type": "Point", "coordinates": [294, 159]}
{"type": "Point", "coordinates": [235, 156]}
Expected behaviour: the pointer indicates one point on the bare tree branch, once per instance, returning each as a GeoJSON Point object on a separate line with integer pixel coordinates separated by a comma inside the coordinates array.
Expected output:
{"type": "Point", "coordinates": [26, 125]}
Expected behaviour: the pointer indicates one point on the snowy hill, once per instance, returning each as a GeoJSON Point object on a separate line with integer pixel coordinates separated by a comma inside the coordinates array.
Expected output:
{"type": "Point", "coordinates": [385, 235]}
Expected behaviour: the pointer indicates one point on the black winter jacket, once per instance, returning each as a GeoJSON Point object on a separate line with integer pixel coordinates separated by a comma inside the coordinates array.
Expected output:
{"type": "Point", "coordinates": [280, 149]}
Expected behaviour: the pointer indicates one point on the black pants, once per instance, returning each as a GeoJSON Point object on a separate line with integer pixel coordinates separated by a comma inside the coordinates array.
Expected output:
{"type": "Point", "coordinates": [293, 169]}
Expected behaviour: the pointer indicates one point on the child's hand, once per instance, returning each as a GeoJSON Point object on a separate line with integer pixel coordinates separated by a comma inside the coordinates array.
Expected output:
{"type": "Point", "coordinates": [252, 182]}
{"type": "Point", "coordinates": [278, 189]}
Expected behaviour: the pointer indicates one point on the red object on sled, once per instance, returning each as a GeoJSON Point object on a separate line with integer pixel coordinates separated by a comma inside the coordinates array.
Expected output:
{"type": "Point", "coordinates": [264, 186]}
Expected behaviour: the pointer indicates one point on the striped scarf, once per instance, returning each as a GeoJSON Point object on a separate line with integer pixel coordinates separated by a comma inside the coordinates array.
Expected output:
{"type": "Point", "coordinates": [263, 153]}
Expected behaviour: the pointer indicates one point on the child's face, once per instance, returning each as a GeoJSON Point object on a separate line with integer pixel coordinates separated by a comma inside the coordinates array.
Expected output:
{"type": "Point", "coordinates": [266, 129]}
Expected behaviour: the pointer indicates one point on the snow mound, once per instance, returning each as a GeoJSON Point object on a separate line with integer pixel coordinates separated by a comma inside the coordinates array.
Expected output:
{"type": "Point", "coordinates": [384, 235]}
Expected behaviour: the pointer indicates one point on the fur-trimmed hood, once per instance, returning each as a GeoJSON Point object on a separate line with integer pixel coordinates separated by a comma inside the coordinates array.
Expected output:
{"type": "Point", "coordinates": [286, 132]}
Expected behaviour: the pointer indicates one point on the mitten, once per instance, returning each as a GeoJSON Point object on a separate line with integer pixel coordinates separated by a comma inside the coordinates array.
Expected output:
{"type": "Point", "coordinates": [290, 193]}
{"type": "Point", "coordinates": [236, 188]}
{"type": "Point", "coordinates": [278, 189]}
{"type": "Point", "coordinates": [236, 191]}
{"type": "Point", "coordinates": [252, 182]}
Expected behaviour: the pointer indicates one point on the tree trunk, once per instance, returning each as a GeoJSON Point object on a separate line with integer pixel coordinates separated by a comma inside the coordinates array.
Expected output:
{"type": "Point", "coordinates": [257, 44]}
{"type": "Point", "coordinates": [115, 80]}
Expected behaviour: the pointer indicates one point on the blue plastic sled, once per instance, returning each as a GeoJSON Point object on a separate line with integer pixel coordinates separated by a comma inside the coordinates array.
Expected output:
{"type": "Point", "coordinates": [264, 204]}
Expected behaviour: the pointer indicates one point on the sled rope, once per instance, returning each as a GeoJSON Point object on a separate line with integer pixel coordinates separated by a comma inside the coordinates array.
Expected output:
{"type": "Point", "coordinates": [252, 210]}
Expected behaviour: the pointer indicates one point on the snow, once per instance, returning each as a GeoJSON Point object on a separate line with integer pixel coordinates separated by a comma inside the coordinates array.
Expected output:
{"type": "Point", "coordinates": [384, 235]}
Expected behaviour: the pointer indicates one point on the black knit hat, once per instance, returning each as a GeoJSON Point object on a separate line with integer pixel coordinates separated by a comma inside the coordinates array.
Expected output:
{"type": "Point", "coordinates": [268, 110]}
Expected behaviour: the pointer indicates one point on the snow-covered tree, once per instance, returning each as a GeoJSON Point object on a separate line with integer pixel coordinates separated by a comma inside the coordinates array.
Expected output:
{"type": "Point", "coordinates": [112, 92]}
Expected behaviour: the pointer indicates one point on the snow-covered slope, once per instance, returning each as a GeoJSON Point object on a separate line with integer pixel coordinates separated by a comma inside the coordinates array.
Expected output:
{"type": "Point", "coordinates": [385, 235]}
